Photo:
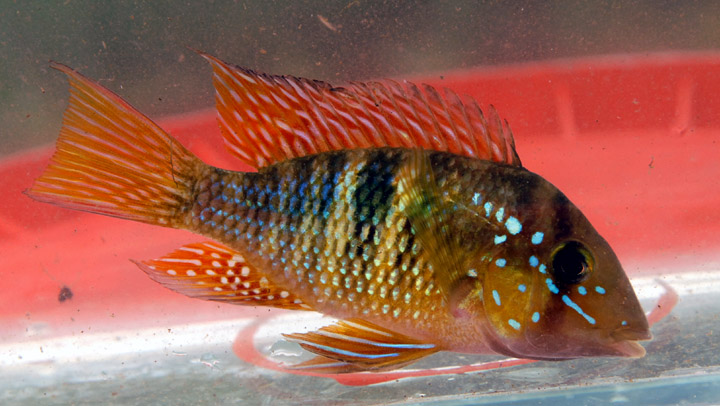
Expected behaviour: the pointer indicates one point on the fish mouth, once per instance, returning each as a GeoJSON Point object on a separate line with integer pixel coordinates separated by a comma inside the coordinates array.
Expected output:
{"type": "Point", "coordinates": [627, 339]}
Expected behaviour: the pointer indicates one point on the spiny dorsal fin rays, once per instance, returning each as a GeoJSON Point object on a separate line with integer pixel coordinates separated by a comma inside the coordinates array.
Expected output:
{"type": "Point", "coordinates": [356, 345]}
{"type": "Point", "coordinates": [428, 213]}
{"type": "Point", "coordinates": [266, 119]}
{"type": "Point", "coordinates": [211, 271]}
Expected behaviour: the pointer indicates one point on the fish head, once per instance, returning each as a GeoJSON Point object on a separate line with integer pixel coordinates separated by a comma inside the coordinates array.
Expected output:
{"type": "Point", "coordinates": [557, 291]}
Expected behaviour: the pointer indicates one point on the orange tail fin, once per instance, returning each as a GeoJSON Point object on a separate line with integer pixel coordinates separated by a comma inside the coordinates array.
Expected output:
{"type": "Point", "coordinates": [112, 160]}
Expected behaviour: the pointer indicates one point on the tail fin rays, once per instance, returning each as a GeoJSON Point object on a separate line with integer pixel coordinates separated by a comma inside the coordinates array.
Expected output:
{"type": "Point", "coordinates": [112, 160]}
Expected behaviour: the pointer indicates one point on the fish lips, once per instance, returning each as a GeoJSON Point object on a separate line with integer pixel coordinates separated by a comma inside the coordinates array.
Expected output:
{"type": "Point", "coordinates": [626, 341]}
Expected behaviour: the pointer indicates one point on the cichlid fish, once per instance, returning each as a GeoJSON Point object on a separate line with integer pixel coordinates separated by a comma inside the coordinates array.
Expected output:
{"type": "Point", "coordinates": [404, 213]}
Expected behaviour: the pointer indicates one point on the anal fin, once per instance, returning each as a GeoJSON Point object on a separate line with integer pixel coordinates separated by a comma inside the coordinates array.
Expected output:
{"type": "Point", "coordinates": [211, 271]}
{"type": "Point", "coordinates": [356, 345]}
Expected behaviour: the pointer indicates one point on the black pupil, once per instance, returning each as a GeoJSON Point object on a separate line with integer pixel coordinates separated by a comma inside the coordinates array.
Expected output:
{"type": "Point", "coordinates": [569, 264]}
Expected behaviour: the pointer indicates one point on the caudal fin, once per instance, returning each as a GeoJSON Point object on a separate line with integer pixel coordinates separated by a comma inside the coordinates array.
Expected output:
{"type": "Point", "coordinates": [112, 160]}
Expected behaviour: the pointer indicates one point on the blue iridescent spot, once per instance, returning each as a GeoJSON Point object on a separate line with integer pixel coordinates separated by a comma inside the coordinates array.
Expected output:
{"type": "Point", "coordinates": [534, 261]}
{"type": "Point", "coordinates": [514, 324]}
{"type": "Point", "coordinates": [499, 239]}
{"type": "Point", "coordinates": [500, 214]}
{"type": "Point", "coordinates": [600, 290]}
{"type": "Point", "coordinates": [488, 208]}
{"type": "Point", "coordinates": [501, 262]}
{"type": "Point", "coordinates": [582, 290]}
{"type": "Point", "coordinates": [577, 308]}
{"type": "Point", "coordinates": [477, 198]}
{"type": "Point", "coordinates": [624, 323]}
{"type": "Point", "coordinates": [522, 287]}
{"type": "Point", "coordinates": [496, 297]}
{"type": "Point", "coordinates": [552, 286]}
{"type": "Point", "coordinates": [542, 268]}
{"type": "Point", "coordinates": [536, 317]}
{"type": "Point", "coordinates": [537, 238]}
{"type": "Point", "coordinates": [513, 225]}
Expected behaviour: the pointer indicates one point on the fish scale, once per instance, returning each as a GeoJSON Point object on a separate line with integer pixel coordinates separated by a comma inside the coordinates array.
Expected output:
{"type": "Point", "coordinates": [365, 260]}
{"type": "Point", "coordinates": [403, 212]}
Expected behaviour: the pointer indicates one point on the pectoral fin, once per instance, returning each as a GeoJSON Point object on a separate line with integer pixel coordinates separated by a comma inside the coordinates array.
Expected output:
{"type": "Point", "coordinates": [356, 345]}
{"type": "Point", "coordinates": [429, 213]}
{"type": "Point", "coordinates": [211, 271]}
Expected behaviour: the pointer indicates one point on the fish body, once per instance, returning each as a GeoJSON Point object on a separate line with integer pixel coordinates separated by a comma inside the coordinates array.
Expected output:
{"type": "Point", "coordinates": [402, 213]}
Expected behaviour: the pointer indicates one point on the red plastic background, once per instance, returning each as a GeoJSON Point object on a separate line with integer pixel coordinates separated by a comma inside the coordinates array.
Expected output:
{"type": "Point", "coordinates": [633, 140]}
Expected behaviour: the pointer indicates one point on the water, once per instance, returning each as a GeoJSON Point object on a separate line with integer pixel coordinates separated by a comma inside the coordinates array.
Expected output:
{"type": "Point", "coordinates": [632, 139]}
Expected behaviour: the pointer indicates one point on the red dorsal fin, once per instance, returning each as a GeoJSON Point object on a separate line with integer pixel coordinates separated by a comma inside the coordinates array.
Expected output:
{"type": "Point", "coordinates": [356, 345]}
{"type": "Point", "coordinates": [266, 119]}
{"type": "Point", "coordinates": [211, 271]}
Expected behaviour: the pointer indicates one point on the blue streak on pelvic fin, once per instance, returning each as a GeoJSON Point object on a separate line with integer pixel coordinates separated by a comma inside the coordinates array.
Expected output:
{"type": "Point", "coordinates": [577, 308]}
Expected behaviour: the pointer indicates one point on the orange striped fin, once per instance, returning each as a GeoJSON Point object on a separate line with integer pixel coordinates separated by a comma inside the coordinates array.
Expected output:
{"type": "Point", "coordinates": [211, 271]}
{"type": "Point", "coordinates": [266, 119]}
{"type": "Point", "coordinates": [356, 345]}
{"type": "Point", "coordinates": [112, 160]}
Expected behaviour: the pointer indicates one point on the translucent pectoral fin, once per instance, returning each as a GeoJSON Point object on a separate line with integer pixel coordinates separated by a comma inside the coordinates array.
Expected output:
{"type": "Point", "coordinates": [356, 345]}
{"type": "Point", "coordinates": [431, 214]}
{"type": "Point", "coordinates": [211, 271]}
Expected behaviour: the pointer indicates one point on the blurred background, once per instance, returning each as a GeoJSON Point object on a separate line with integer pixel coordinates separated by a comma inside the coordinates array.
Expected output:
{"type": "Point", "coordinates": [140, 48]}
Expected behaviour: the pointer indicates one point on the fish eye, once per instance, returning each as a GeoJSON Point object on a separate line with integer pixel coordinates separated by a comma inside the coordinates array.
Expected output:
{"type": "Point", "coordinates": [571, 263]}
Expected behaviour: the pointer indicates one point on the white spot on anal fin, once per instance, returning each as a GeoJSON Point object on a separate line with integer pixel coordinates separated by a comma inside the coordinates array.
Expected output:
{"type": "Point", "coordinates": [195, 262]}
{"type": "Point", "coordinates": [216, 264]}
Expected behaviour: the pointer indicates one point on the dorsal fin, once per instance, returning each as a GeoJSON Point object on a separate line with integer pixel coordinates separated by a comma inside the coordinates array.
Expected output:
{"type": "Point", "coordinates": [266, 119]}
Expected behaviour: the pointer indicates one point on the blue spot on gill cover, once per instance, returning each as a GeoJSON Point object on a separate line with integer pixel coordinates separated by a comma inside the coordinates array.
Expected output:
{"type": "Point", "coordinates": [552, 286]}
{"type": "Point", "coordinates": [500, 214]}
{"type": "Point", "coordinates": [534, 261]}
{"type": "Point", "coordinates": [513, 225]}
{"type": "Point", "coordinates": [542, 268]}
{"type": "Point", "coordinates": [501, 262]}
{"type": "Point", "coordinates": [514, 324]}
{"type": "Point", "coordinates": [522, 287]}
{"type": "Point", "coordinates": [537, 238]}
{"type": "Point", "coordinates": [600, 290]}
{"type": "Point", "coordinates": [499, 239]}
{"type": "Point", "coordinates": [535, 317]}
{"type": "Point", "coordinates": [488, 208]}
{"type": "Point", "coordinates": [577, 308]}
{"type": "Point", "coordinates": [624, 323]}
{"type": "Point", "coordinates": [582, 290]}
{"type": "Point", "coordinates": [496, 297]}
{"type": "Point", "coordinates": [477, 198]}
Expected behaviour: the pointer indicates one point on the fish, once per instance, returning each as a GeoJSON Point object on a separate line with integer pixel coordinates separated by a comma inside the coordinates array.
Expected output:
{"type": "Point", "coordinates": [402, 211]}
